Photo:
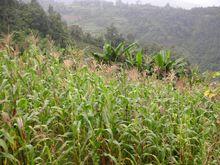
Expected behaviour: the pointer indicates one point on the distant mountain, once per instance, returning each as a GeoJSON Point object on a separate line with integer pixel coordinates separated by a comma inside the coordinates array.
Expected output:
{"type": "Point", "coordinates": [186, 4]}
{"type": "Point", "coordinates": [173, 3]}
{"type": "Point", "coordinates": [195, 33]}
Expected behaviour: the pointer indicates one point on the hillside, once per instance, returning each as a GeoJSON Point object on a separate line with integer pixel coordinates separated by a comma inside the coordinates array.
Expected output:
{"type": "Point", "coordinates": [29, 17]}
{"type": "Point", "coordinates": [194, 33]}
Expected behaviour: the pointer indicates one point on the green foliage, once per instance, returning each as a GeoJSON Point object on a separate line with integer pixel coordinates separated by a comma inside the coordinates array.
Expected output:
{"type": "Point", "coordinates": [165, 64]}
{"type": "Point", "coordinates": [114, 54]}
{"type": "Point", "coordinates": [57, 28]}
{"type": "Point", "coordinates": [19, 17]}
{"type": "Point", "coordinates": [161, 63]}
{"type": "Point", "coordinates": [135, 58]}
{"type": "Point", "coordinates": [78, 35]}
{"type": "Point", "coordinates": [163, 60]}
{"type": "Point", "coordinates": [139, 60]}
{"type": "Point", "coordinates": [52, 113]}
{"type": "Point", "coordinates": [76, 32]}
{"type": "Point", "coordinates": [27, 17]}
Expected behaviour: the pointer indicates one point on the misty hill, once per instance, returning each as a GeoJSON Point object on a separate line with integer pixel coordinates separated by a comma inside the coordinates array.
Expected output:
{"type": "Point", "coordinates": [195, 33]}
{"type": "Point", "coordinates": [174, 3]}
{"type": "Point", "coordinates": [186, 4]}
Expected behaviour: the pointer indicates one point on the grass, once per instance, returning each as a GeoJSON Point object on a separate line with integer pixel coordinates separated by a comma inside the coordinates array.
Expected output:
{"type": "Point", "coordinates": [61, 110]}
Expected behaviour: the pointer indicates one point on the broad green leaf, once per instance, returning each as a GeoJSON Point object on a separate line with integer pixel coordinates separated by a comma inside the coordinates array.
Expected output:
{"type": "Point", "coordinates": [139, 59]}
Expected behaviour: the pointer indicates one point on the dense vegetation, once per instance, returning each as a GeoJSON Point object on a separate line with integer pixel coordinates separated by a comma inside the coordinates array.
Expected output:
{"type": "Point", "coordinates": [194, 33]}
{"type": "Point", "coordinates": [130, 56]}
{"type": "Point", "coordinates": [25, 18]}
{"type": "Point", "coordinates": [124, 103]}
{"type": "Point", "coordinates": [64, 109]}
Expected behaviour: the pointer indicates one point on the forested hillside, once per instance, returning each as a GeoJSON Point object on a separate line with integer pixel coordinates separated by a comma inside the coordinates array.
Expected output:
{"type": "Point", "coordinates": [28, 17]}
{"type": "Point", "coordinates": [194, 33]}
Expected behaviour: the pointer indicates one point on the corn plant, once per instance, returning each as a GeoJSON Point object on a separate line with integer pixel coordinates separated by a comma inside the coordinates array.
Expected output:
{"type": "Point", "coordinates": [54, 114]}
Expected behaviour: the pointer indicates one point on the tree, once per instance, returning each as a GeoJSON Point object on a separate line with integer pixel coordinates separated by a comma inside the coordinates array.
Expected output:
{"type": "Point", "coordinates": [38, 19]}
{"type": "Point", "coordinates": [8, 2]}
{"type": "Point", "coordinates": [57, 28]}
{"type": "Point", "coordinates": [113, 37]}
{"type": "Point", "coordinates": [76, 32]}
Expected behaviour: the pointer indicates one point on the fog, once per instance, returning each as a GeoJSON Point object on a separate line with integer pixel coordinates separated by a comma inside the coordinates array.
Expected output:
{"type": "Point", "coordinates": [187, 4]}
{"type": "Point", "coordinates": [178, 3]}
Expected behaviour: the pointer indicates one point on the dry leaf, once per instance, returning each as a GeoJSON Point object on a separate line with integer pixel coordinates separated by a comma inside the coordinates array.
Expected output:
{"type": "Point", "coordinates": [68, 63]}
{"type": "Point", "coordinates": [20, 123]}
{"type": "Point", "coordinates": [6, 118]}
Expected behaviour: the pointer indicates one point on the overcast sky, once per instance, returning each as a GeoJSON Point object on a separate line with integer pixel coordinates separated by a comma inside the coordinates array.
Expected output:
{"type": "Point", "coordinates": [203, 2]}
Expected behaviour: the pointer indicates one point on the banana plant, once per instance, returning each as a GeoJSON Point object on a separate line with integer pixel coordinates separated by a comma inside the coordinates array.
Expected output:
{"type": "Point", "coordinates": [139, 60]}
{"type": "Point", "coordinates": [135, 59]}
{"type": "Point", "coordinates": [181, 67]}
{"type": "Point", "coordinates": [111, 54]}
{"type": "Point", "coordinates": [164, 64]}
{"type": "Point", "coordinates": [163, 60]}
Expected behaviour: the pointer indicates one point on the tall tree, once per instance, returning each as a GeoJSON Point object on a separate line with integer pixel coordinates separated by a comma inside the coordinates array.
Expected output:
{"type": "Point", "coordinates": [57, 28]}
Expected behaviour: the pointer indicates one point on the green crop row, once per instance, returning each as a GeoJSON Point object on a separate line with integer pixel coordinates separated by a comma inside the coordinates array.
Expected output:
{"type": "Point", "coordinates": [53, 113]}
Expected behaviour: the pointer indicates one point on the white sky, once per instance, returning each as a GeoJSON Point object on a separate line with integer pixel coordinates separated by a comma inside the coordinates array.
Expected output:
{"type": "Point", "coordinates": [203, 2]}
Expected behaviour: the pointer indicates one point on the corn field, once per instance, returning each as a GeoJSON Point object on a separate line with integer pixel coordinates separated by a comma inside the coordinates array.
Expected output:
{"type": "Point", "coordinates": [65, 111]}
